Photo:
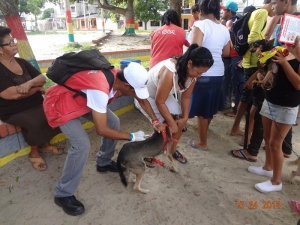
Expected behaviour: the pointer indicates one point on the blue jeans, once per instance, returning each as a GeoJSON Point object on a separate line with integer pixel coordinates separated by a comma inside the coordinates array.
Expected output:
{"type": "Point", "coordinates": [79, 151]}
{"type": "Point", "coordinates": [238, 78]}
{"type": "Point", "coordinates": [227, 82]}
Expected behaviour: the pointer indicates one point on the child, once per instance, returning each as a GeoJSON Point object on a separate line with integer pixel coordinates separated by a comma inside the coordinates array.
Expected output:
{"type": "Point", "coordinates": [195, 15]}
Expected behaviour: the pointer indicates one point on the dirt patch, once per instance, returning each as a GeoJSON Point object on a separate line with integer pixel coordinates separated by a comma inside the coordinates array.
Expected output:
{"type": "Point", "coordinates": [50, 46]}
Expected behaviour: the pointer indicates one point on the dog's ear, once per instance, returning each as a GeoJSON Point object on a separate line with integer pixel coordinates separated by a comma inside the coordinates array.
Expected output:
{"type": "Point", "coordinates": [271, 42]}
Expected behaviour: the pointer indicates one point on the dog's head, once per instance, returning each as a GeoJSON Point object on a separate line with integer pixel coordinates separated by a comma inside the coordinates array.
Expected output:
{"type": "Point", "coordinates": [260, 46]}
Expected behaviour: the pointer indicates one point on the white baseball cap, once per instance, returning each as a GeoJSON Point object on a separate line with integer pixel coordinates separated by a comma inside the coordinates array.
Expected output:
{"type": "Point", "coordinates": [137, 76]}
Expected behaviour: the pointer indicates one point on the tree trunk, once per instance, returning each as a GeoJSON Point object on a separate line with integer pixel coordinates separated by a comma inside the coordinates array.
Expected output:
{"type": "Point", "coordinates": [129, 19]}
{"type": "Point", "coordinates": [145, 24]}
{"type": "Point", "coordinates": [36, 23]}
{"type": "Point", "coordinates": [174, 4]}
{"type": "Point", "coordinates": [13, 20]}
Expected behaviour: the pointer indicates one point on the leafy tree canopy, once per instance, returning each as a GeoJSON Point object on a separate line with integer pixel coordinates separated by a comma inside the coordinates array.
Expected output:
{"type": "Point", "coordinates": [146, 10]}
{"type": "Point", "coordinates": [31, 6]}
{"type": "Point", "coordinates": [47, 13]}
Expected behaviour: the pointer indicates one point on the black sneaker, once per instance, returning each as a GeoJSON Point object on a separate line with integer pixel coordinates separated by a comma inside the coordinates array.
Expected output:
{"type": "Point", "coordinates": [112, 167]}
{"type": "Point", "coordinates": [70, 205]}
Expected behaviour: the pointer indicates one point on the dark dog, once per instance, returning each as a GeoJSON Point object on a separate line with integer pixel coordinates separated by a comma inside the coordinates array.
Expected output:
{"type": "Point", "coordinates": [265, 77]}
{"type": "Point", "coordinates": [132, 154]}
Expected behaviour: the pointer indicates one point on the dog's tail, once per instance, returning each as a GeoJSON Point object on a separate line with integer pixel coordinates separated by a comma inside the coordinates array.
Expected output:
{"type": "Point", "coordinates": [122, 176]}
{"type": "Point", "coordinates": [295, 162]}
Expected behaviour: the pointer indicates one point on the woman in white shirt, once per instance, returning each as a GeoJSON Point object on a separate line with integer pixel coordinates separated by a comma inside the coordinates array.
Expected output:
{"type": "Point", "coordinates": [207, 94]}
{"type": "Point", "coordinates": [169, 77]}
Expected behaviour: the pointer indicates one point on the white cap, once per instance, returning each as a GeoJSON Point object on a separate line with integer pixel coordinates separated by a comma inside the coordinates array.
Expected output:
{"type": "Point", "coordinates": [137, 76]}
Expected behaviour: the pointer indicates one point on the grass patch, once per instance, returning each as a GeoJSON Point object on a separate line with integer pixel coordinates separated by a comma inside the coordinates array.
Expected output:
{"type": "Point", "coordinates": [43, 32]}
{"type": "Point", "coordinates": [72, 47]}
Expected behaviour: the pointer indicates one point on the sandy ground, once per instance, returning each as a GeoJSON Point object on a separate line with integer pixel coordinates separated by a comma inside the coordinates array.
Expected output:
{"type": "Point", "coordinates": [205, 191]}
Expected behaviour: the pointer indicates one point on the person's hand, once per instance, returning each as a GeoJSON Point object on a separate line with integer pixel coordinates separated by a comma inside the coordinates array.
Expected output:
{"type": "Point", "coordinates": [248, 85]}
{"type": "Point", "coordinates": [138, 136]}
{"type": "Point", "coordinates": [279, 58]}
{"type": "Point", "coordinates": [24, 88]}
{"type": "Point", "coordinates": [42, 90]}
{"type": "Point", "coordinates": [173, 127]}
{"type": "Point", "coordinates": [181, 123]}
{"type": "Point", "coordinates": [295, 50]}
{"type": "Point", "coordinates": [158, 126]}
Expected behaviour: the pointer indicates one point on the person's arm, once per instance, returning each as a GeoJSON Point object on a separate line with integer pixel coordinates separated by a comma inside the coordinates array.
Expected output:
{"type": "Point", "coordinates": [291, 75]}
{"type": "Point", "coordinates": [185, 106]}
{"type": "Point", "coordinates": [295, 50]}
{"type": "Point", "coordinates": [196, 36]}
{"type": "Point", "coordinates": [165, 84]}
{"type": "Point", "coordinates": [12, 93]}
{"type": "Point", "coordinates": [100, 121]}
{"type": "Point", "coordinates": [257, 26]}
{"type": "Point", "coordinates": [226, 50]}
{"type": "Point", "coordinates": [144, 103]}
{"type": "Point", "coordinates": [271, 24]}
{"type": "Point", "coordinates": [38, 81]}
{"type": "Point", "coordinates": [248, 84]}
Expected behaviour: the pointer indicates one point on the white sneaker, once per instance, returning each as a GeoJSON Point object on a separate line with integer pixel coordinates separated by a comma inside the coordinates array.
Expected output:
{"type": "Point", "coordinates": [260, 171]}
{"type": "Point", "coordinates": [267, 186]}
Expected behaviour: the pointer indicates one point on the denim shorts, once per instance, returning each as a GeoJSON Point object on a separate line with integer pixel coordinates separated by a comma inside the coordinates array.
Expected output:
{"type": "Point", "coordinates": [279, 114]}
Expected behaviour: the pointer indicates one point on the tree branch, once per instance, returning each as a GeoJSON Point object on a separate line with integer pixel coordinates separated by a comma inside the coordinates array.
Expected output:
{"type": "Point", "coordinates": [112, 8]}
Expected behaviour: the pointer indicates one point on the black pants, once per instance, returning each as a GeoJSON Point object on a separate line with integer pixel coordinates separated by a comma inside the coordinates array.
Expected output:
{"type": "Point", "coordinates": [257, 137]}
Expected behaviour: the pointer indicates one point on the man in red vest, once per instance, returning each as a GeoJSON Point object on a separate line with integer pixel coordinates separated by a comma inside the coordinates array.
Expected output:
{"type": "Point", "coordinates": [63, 110]}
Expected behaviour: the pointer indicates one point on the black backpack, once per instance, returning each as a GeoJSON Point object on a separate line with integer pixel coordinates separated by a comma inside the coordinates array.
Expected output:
{"type": "Point", "coordinates": [240, 31]}
{"type": "Point", "coordinates": [70, 63]}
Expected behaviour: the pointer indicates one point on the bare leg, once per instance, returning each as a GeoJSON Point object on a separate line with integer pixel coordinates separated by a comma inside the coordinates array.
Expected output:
{"type": "Point", "coordinates": [235, 130]}
{"type": "Point", "coordinates": [202, 129]}
{"type": "Point", "coordinates": [277, 135]}
{"type": "Point", "coordinates": [267, 123]}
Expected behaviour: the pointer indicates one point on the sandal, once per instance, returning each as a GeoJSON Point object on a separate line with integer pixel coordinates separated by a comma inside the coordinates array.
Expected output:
{"type": "Point", "coordinates": [149, 163]}
{"type": "Point", "coordinates": [193, 144]}
{"type": "Point", "coordinates": [177, 155]}
{"type": "Point", "coordinates": [38, 163]}
{"type": "Point", "coordinates": [52, 149]}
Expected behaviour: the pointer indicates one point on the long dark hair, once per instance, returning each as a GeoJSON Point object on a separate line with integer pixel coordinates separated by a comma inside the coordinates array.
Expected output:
{"type": "Point", "coordinates": [170, 16]}
{"type": "Point", "coordinates": [200, 56]}
{"type": "Point", "coordinates": [210, 7]}
{"type": "Point", "coordinates": [3, 32]}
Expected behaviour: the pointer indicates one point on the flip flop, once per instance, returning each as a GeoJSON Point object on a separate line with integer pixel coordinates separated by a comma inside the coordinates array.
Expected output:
{"type": "Point", "coordinates": [244, 157]}
{"type": "Point", "coordinates": [295, 205]}
{"type": "Point", "coordinates": [149, 160]}
{"type": "Point", "coordinates": [177, 155]}
{"type": "Point", "coordinates": [192, 143]}
{"type": "Point", "coordinates": [241, 134]}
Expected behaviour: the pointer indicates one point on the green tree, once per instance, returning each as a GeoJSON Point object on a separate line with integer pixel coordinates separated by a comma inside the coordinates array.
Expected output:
{"type": "Point", "coordinates": [13, 20]}
{"type": "Point", "coordinates": [127, 11]}
{"type": "Point", "coordinates": [146, 10]}
{"type": "Point", "coordinates": [47, 13]}
{"type": "Point", "coordinates": [31, 6]}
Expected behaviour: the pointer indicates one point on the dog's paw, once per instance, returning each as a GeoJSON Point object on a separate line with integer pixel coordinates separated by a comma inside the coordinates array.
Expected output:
{"type": "Point", "coordinates": [145, 191]}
